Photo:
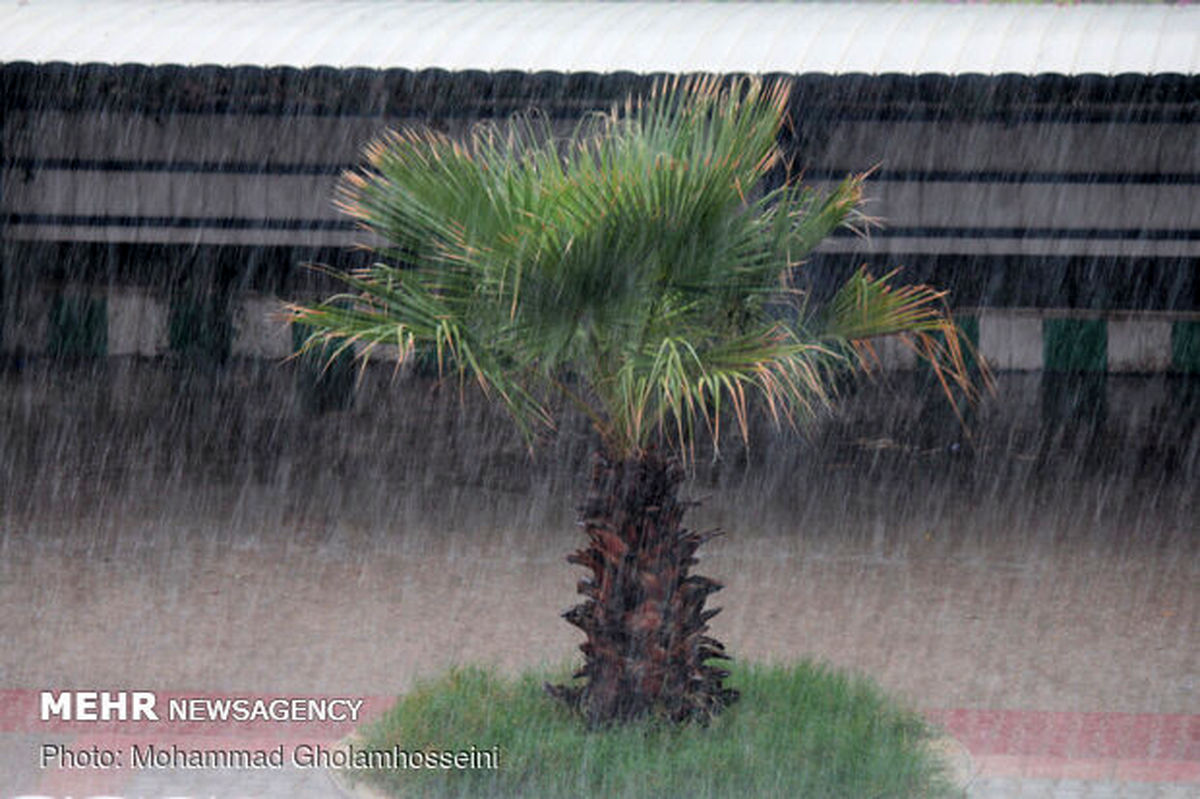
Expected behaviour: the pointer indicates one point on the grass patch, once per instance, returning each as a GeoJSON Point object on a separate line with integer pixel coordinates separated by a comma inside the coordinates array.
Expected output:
{"type": "Point", "coordinates": [801, 730]}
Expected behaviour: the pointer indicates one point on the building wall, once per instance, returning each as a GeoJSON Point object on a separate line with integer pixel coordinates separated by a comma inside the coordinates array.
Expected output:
{"type": "Point", "coordinates": [1069, 242]}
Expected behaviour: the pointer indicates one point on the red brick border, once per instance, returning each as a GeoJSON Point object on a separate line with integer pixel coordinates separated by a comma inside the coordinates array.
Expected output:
{"type": "Point", "coordinates": [1121, 747]}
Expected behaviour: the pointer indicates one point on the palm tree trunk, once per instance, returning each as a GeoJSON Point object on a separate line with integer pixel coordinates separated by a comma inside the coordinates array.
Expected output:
{"type": "Point", "coordinates": [644, 616]}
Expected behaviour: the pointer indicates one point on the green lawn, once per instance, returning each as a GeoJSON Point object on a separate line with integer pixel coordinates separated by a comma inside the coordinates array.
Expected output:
{"type": "Point", "coordinates": [799, 731]}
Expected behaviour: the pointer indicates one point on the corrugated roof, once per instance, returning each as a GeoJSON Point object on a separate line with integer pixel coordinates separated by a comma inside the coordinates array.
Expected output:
{"type": "Point", "coordinates": [646, 37]}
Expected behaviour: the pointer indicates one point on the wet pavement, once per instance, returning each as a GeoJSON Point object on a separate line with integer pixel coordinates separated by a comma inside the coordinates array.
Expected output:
{"type": "Point", "coordinates": [1041, 602]}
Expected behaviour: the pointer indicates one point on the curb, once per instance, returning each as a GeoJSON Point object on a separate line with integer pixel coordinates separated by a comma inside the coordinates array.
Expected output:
{"type": "Point", "coordinates": [960, 766]}
{"type": "Point", "coordinates": [343, 785]}
{"type": "Point", "coordinates": [957, 760]}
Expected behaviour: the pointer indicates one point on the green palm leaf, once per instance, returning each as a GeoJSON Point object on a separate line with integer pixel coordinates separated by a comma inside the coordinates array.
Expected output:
{"type": "Point", "coordinates": [636, 267]}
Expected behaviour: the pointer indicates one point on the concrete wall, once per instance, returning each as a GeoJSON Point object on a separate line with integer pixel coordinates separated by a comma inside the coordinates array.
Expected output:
{"type": "Point", "coordinates": [968, 187]}
{"type": "Point", "coordinates": [1004, 188]}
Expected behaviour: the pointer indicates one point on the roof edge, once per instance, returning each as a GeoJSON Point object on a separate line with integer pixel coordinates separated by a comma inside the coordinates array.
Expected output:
{"type": "Point", "coordinates": [398, 92]}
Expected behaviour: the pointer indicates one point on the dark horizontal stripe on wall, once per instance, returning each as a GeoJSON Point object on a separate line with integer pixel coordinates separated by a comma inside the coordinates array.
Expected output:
{"type": "Point", "coordinates": [1093, 282]}
{"type": "Point", "coordinates": [272, 268]}
{"type": "Point", "coordinates": [993, 280]}
{"type": "Point", "coordinates": [1122, 234]}
{"type": "Point", "coordinates": [900, 232]}
{"type": "Point", "coordinates": [820, 173]}
{"type": "Point", "coordinates": [187, 167]}
{"type": "Point", "coordinates": [992, 176]}
{"type": "Point", "coordinates": [1063, 115]}
{"type": "Point", "coordinates": [189, 222]}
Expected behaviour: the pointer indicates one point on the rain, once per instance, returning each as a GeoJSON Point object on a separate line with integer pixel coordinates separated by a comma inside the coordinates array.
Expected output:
{"type": "Point", "coordinates": [191, 507]}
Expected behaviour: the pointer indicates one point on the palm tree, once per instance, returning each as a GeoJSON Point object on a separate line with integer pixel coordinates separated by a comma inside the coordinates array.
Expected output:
{"type": "Point", "coordinates": [639, 270]}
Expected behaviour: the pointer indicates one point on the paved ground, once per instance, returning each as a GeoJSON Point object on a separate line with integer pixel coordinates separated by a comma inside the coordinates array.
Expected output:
{"type": "Point", "coordinates": [1046, 617]}
{"type": "Point", "coordinates": [1111, 670]}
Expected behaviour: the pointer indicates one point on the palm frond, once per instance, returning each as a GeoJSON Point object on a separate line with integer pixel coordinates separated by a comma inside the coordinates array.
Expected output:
{"type": "Point", "coordinates": [632, 267]}
{"type": "Point", "coordinates": [390, 308]}
{"type": "Point", "coordinates": [681, 383]}
{"type": "Point", "coordinates": [868, 308]}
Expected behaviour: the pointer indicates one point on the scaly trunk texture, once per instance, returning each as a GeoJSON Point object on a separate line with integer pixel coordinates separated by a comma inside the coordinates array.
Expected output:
{"type": "Point", "coordinates": [644, 616]}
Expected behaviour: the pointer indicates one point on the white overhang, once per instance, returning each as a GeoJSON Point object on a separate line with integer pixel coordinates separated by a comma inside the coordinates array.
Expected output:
{"type": "Point", "coordinates": [642, 37]}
